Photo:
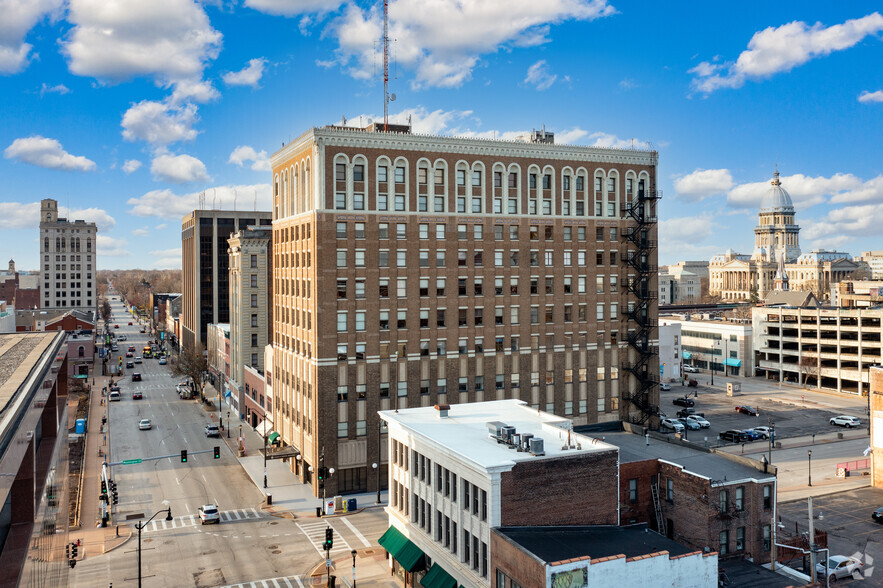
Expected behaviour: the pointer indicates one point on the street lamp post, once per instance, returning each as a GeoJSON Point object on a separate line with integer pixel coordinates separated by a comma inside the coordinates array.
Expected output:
{"type": "Point", "coordinates": [140, 526]}
{"type": "Point", "coordinates": [809, 471]}
{"type": "Point", "coordinates": [354, 567]}
{"type": "Point", "coordinates": [228, 424]}
{"type": "Point", "coordinates": [771, 434]}
{"type": "Point", "coordinates": [377, 469]}
{"type": "Point", "coordinates": [265, 456]}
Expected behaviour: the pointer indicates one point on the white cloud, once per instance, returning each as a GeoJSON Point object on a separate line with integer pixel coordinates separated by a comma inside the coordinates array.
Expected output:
{"type": "Point", "coordinates": [781, 49]}
{"type": "Point", "coordinates": [861, 192]}
{"type": "Point", "coordinates": [539, 76]}
{"type": "Point", "coordinates": [293, 7]}
{"type": "Point", "coordinates": [249, 76]}
{"type": "Point", "coordinates": [110, 246]}
{"type": "Point", "coordinates": [47, 153]}
{"type": "Point", "coordinates": [570, 136]}
{"type": "Point", "coordinates": [628, 84]}
{"type": "Point", "coordinates": [19, 215]}
{"type": "Point", "coordinates": [805, 191]}
{"type": "Point", "coordinates": [245, 153]}
{"type": "Point", "coordinates": [443, 40]}
{"type": "Point", "coordinates": [166, 258]}
{"type": "Point", "coordinates": [131, 165]}
{"type": "Point", "coordinates": [59, 89]}
{"type": "Point", "coordinates": [703, 183]}
{"type": "Point", "coordinates": [19, 17]}
{"type": "Point", "coordinates": [200, 91]}
{"type": "Point", "coordinates": [159, 123]}
{"type": "Point", "coordinates": [168, 40]}
{"type": "Point", "coordinates": [167, 204]}
{"type": "Point", "coordinates": [683, 237]}
{"type": "Point", "coordinates": [178, 169]}
{"type": "Point", "coordinates": [601, 139]}
{"type": "Point", "coordinates": [141, 232]}
{"type": "Point", "coordinates": [867, 97]}
{"type": "Point", "coordinates": [160, 226]}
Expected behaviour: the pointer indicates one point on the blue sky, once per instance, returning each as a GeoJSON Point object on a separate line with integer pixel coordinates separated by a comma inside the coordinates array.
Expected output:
{"type": "Point", "coordinates": [125, 114]}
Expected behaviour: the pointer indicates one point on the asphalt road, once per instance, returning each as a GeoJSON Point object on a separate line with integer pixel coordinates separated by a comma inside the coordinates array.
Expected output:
{"type": "Point", "coordinates": [846, 517]}
{"type": "Point", "coordinates": [247, 546]}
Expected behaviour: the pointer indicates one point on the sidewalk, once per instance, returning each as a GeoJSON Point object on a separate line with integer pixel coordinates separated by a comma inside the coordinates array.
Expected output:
{"type": "Point", "coordinates": [372, 569]}
{"type": "Point", "coordinates": [289, 494]}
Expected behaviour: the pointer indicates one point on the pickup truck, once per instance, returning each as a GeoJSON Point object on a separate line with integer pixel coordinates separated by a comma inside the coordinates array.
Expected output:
{"type": "Point", "coordinates": [208, 513]}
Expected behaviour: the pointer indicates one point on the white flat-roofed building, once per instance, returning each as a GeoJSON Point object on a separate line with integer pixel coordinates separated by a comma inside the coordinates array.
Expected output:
{"type": "Point", "coordinates": [726, 347]}
{"type": "Point", "coordinates": [458, 471]}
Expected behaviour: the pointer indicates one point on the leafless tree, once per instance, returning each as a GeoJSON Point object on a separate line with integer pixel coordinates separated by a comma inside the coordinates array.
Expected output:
{"type": "Point", "coordinates": [809, 368]}
{"type": "Point", "coordinates": [191, 363]}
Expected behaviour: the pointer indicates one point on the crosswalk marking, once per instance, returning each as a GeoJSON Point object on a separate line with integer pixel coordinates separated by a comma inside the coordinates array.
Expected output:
{"type": "Point", "coordinates": [192, 520]}
{"type": "Point", "coordinates": [280, 582]}
{"type": "Point", "coordinates": [315, 532]}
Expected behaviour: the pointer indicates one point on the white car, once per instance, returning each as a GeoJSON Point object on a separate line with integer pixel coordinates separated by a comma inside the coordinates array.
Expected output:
{"type": "Point", "coordinates": [138, 359]}
{"type": "Point", "coordinates": [845, 421]}
{"type": "Point", "coordinates": [704, 424]}
{"type": "Point", "coordinates": [688, 369]}
{"type": "Point", "coordinates": [663, 387]}
{"type": "Point", "coordinates": [839, 567]}
{"type": "Point", "coordinates": [673, 424]}
{"type": "Point", "coordinates": [208, 513]}
{"type": "Point", "coordinates": [765, 432]}
{"type": "Point", "coordinates": [144, 425]}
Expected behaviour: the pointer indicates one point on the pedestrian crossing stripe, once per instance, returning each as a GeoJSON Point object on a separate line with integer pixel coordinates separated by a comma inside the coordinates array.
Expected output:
{"type": "Point", "coordinates": [192, 520]}
{"type": "Point", "coordinates": [281, 582]}
{"type": "Point", "coordinates": [315, 532]}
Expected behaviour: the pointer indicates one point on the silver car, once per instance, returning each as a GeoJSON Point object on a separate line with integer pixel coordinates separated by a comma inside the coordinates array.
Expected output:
{"type": "Point", "coordinates": [673, 424]}
{"type": "Point", "coordinates": [839, 567]}
{"type": "Point", "coordinates": [701, 421]}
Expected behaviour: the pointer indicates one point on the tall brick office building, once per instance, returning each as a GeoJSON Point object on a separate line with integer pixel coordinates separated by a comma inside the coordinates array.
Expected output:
{"type": "Point", "coordinates": [417, 270]}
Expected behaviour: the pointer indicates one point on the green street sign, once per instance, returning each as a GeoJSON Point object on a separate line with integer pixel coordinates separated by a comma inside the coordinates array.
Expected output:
{"type": "Point", "coordinates": [131, 461]}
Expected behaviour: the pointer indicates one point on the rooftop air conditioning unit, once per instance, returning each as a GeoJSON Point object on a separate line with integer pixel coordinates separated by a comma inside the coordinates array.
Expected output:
{"type": "Point", "coordinates": [516, 442]}
{"type": "Point", "coordinates": [525, 441]}
{"type": "Point", "coordinates": [494, 429]}
{"type": "Point", "coordinates": [507, 432]}
{"type": "Point", "coordinates": [536, 447]}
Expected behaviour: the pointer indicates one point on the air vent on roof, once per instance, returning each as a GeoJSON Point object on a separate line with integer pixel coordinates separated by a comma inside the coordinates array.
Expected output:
{"type": "Point", "coordinates": [506, 432]}
{"type": "Point", "coordinates": [525, 441]}
{"type": "Point", "coordinates": [536, 447]}
{"type": "Point", "coordinates": [494, 429]}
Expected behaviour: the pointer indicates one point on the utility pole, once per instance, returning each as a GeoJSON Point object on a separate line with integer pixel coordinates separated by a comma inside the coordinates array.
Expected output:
{"type": "Point", "coordinates": [812, 542]}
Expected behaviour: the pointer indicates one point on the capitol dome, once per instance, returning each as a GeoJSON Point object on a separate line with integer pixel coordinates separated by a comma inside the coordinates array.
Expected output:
{"type": "Point", "coordinates": [776, 199]}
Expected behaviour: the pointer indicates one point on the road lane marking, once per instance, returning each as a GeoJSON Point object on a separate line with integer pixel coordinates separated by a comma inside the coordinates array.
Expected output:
{"type": "Point", "coordinates": [356, 532]}
{"type": "Point", "coordinates": [278, 582]}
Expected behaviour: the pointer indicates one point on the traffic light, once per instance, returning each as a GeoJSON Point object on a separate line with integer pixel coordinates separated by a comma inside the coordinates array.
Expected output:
{"type": "Point", "coordinates": [217, 452]}
{"type": "Point", "coordinates": [329, 538]}
{"type": "Point", "coordinates": [67, 551]}
{"type": "Point", "coordinates": [103, 487]}
{"type": "Point", "coordinates": [73, 551]}
{"type": "Point", "coordinates": [183, 456]}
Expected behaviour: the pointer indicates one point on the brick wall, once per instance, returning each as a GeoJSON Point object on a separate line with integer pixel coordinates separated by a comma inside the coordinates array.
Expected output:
{"type": "Point", "coordinates": [642, 510]}
{"type": "Point", "coordinates": [518, 565]}
{"type": "Point", "coordinates": [578, 490]}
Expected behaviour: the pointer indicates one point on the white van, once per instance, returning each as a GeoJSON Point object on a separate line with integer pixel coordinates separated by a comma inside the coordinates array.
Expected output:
{"type": "Point", "coordinates": [114, 397]}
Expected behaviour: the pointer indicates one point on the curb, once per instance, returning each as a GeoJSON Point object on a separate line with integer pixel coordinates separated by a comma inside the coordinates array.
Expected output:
{"type": "Point", "coordinates": [123, 542]}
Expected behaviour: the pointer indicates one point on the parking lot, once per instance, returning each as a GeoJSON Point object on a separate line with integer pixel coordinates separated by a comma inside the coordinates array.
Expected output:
{"type": "Point", "coordinates": [789, 420]}
{"type": "Point", "coordinates": [846, 517]}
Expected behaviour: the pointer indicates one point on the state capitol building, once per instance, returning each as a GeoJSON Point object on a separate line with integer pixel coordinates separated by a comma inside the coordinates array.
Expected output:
{"type": "Point", "coordinates": [734, 276]}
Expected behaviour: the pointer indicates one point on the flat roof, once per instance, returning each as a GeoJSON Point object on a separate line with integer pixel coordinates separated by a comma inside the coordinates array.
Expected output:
{"type": "Point", "coordinates": [464, 431]}
{"type": "Point", "coordinates": [714, 466]}
{"type": "Point", "coordinates": [555, 544]}
{"type": "Point", "coordinates": [19, 353]}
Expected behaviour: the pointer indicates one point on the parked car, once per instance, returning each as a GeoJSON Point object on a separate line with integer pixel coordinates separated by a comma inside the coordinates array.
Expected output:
{"type": "Point", "coordinates": [212, 431]}
{"type": "Point", "coordinates": [749, 410]}
{"type": "Point", "coordinates": [689, 425]}
{"type": "Point", "coordinates": [688, 369]}
{"type": "Point", "coordinates": [136, 395]}
{"type": "Point", "coordinates": [144, 424]}
{"type": "Point", "coordinates": [114, 396]}
{"type": "Point", "coordinates": [673, 424]}
{"type": "Point", "coordinates": [208, 514]}
{"type": "Point", "coordinates": [877, 515]}
{"type": "Point", "coordinates": [665, 387]}
{"type": "Point", "coordinates": [838, 567]}
{"type": "Point", "coordinates": [685, 412]}
{"type": "Point", "coordinates": [136, 377]}
{"type": "Point", "coordinates": [734, 435]}
{"type": "Point", "coordinates": [115, 388]}
{"type": "Point", "coordinates": [704, 424]}
{"type": "Point", "coordinates": [765, 432]}
{"type": "Point", "coordinates": [845, 421]}
{"type": "Point", "coordinates": [751, 434]}
{"type": "Point", "coordinates": [683, 401]}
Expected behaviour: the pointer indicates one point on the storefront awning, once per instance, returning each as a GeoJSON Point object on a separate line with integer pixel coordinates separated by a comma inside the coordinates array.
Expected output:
{"type": "Point", "coordinates": [438, 578]}
{"type": "Point", "coordinates": [273, 437]}
{"type": "Point", "coordinates": [733, 362]}
{"type": "Point", "coordinates": [400, 547]}
{"type": "Point", "coordinates": [687, 355]}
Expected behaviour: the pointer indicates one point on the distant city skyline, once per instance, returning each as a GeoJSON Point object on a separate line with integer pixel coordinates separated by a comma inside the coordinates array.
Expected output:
{"type": "Point", "coordinates": [126, 128]}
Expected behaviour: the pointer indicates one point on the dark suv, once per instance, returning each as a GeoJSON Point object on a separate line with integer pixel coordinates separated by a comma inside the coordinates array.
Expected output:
{"type": "Point", "coordinates": [733, 435]}
{"type": "Point", "coordinates": [683, 401]}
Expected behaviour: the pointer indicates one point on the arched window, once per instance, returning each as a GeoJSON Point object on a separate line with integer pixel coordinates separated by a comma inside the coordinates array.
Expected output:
{"type": "Point", "coordinates": [81, 352]}
{"type": "Point", "coordinates": [46, 243]}
{"type": "Point", "coordinates": [88, 245]}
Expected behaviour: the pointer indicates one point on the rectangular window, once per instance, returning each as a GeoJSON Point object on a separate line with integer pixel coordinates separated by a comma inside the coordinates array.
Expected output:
{"type": "Point", "coordinates": [724, 543]}
{"type": "Point", "coordinates": [341, 230]}
{"type": "Point", "coordinates": [461, 177]}
{"type": "Point", "coordinates": [724, 499]}
{"type": "Point", "coordinates": [381, 173]}
{"type": "Point", "coordinates": [400, 175]}
{"type": "Point", "coordinates": [341, 258]}
{"type": "Point", "coordinates": [633, 490]}
{"type": "Point", "coordinates": [341, 321]}
{"type": "Point", "coordinates": [383, 230]}
{"type": "Point", "coordinates": [767, 497]}
{"type": "Point", "coordinates": [669, 489]}
{"type": "Point", "coordinates": [423, 231]}
{"type": "Point", "coordinates": [740, 538]}
{"type": "Point", "coordinates": [740, 498]}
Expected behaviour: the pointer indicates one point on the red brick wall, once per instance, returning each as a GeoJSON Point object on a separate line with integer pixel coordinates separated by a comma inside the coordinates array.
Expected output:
{"type": "Point", "coordinates": [641, 511]}
{"type": "Point", "coordinates": [516, 563]}
{"type": "Point", "coordinates": [578, 490]}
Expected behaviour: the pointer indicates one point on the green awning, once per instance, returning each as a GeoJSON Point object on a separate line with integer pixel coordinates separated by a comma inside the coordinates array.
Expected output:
{"type": "Point", "coordinates": [400, 547]}
{"type": "Point", "coordinates": [438, 578]}
{"type": "Point", "coordinates": [687, 355]}
{"type": "Point", "coordinates": [733, 362]}
{"type": "Point", "coordinates": [273, 437]}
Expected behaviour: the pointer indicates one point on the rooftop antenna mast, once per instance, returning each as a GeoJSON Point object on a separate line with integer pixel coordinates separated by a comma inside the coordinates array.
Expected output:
{"type": "Point", "coordinates": [385, 66]}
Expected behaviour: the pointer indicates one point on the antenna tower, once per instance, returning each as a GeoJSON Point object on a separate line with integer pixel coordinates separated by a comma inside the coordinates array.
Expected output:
{"type": "Point", "coordinates": [386, 66]}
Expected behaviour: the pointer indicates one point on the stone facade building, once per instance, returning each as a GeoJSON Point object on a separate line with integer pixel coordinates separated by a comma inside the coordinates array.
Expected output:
{"type": "Point", "coordinates": [68, 261]}
{"type": "Point", "coordinates": [414, 270]}
{"type": "Point", "coordinates": [734, 276]}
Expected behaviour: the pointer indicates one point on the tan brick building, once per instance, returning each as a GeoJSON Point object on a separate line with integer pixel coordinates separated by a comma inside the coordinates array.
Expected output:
{"type": "Point", "coordinates": [418, 270]}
